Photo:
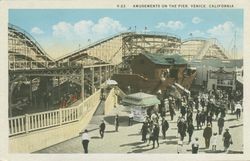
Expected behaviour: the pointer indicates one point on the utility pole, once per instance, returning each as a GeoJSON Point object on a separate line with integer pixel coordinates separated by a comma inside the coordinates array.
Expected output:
{"type": "Point", "coordinates": [234, 47]}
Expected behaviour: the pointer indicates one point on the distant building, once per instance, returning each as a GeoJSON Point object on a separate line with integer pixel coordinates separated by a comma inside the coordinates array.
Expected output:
{"type": "Point", "coordinates": [221, 79]}
{"type": "Point", "coordinates": [154, 72]}
{"type": "Point", "coordinates": [205, 66]}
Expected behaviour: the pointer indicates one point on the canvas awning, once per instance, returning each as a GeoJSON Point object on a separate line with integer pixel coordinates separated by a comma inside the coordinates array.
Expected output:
{"type": "Point", "coordinates": [141, 99]}
{"type": "Point", "coordinates": [111, 82]}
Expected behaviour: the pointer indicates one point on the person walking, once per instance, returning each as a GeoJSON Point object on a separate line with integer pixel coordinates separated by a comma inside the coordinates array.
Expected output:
{"type": "Point", "coordinates": [190, 131]}
{"type": "Point", "coordinates": [171, 109]}
{"type": "Point", "coordinates": [130, 118]}
{"type": "Point", "coordinates": [102, 129]}
{"type": "Point", "coordinates": [207, 133]}
{"type": "Point", "coordinates": [198, 120]}
{"type": "Point", "coordinates": [209, 118]}
{"type": "Point", "coordinates": [232, 105]}
{"type": "Point", "coordinates": [116, 122]}
{"type": "Point", "coordinates": [195, 146]}
{"type": "Point", "coordinates": [220, 124]}
{"type": "Point", "coordinates": [164, 127]}
{"type": "Point", "coordinates": [189, 116]}
{"type": "Point", "coordinates": [144, 131]}
{"type": "Point", "coordinates": [85, 141]}
{"type": "Point", "coordinates": [238, 109]}
{"type": "Point", "coordinates": [156, 131]}
{"type": "Point", "coordinates": [214, 141]}
{"type": "Point", "coordinates": [182, 127]}
{"type": "Point", "coordinates": [223, 112]}
{"type": "Point", "coordinates": [227, 139]}
{"type": "Point", "coordinates": [151, 135]}
{"type": "Point", "coordinates": [183, 110]}
{"type": "Point", "coordinates": [202, 117]}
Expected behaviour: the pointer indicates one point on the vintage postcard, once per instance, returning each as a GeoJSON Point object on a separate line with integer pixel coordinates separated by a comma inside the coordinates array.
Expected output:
{"type": "Point", "coordinates": [109, 80]}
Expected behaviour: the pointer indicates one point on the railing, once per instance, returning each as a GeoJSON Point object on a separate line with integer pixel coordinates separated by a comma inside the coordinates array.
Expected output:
{"type": "Point", "coordinates": [119, 92]}
{"type": "Point", "coordinates": [17, 125]}
{"type": "Point", "coordinates": [38, 121]}
{"type": "Point", "coordinates": [110, 101]}
{"type": "Point", "coordinates": [27, 65]}
{"type": "Point", "coordinates": [43, 120]}
{"type": "Point", "coordinates": [89, 103]}
{"type": "Point", "coordinates": [158, 33]}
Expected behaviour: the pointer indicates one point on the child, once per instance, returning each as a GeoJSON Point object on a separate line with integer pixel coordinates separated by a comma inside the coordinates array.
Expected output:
{"type": "Point", "coordinates": [214, 141]}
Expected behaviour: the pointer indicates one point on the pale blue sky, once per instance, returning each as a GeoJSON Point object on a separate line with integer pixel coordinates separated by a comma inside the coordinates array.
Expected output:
{"type": "Point", "coordinates": [60, 31]}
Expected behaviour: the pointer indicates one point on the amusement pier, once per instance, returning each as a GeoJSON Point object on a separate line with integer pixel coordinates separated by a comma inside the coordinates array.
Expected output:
{"type": "Point", "coordinates": [135, 78]}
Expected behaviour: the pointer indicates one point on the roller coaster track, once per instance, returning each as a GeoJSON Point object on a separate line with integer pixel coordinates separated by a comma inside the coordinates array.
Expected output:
{"type": "Point", "coordinates": [25, 38]}
{"type": "Point", "coordinates": [209, 48]}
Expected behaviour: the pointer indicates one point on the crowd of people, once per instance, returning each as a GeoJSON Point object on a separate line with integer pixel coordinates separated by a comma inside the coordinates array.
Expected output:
{"type": "Point", "coordinates": [201, 112]}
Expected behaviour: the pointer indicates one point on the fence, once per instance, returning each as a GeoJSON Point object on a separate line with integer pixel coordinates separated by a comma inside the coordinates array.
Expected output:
{"type": "Point", "coordinates": [119, 92]}
{"type": "Point", "coordinates": [27, 65]}
{"type": "Point", "coordinates": [37, 121]}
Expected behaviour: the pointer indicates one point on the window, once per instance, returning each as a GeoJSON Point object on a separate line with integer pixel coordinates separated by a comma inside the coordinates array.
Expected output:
{"type": "Point", "coordinates": [219, 81]}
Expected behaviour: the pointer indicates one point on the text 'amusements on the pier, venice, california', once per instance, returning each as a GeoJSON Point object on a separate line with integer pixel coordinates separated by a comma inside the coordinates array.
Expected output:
{"type": "Point", "coordinates": [172, 5]}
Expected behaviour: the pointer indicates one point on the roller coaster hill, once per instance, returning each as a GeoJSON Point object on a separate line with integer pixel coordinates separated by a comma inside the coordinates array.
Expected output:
{"type": "Point", "coordinates": [37, 82]}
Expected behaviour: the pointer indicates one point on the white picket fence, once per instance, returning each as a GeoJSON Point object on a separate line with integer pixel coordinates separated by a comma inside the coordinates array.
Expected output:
{"type": "Point", "coordinates": [42, 120]}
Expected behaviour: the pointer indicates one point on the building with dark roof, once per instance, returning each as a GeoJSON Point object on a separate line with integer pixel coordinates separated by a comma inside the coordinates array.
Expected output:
{"type": "Point", "coordinates": [153, 72]}
{"type": "Point", "coordinates": [157, 66]}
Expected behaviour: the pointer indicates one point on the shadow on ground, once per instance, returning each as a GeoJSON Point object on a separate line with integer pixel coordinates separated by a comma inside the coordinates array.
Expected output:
{"type": "Point", "coordinates": [222, 151]}
{"type": "Point", "coordinates": [234, 126]}
{"type": "Point", "coordinates": [111, 131]}
{"type": "Point", "coordinates": [136, 134]}
{"type": "Point", "coordinates": [217, 151]}
{"type": "Point", "coordinates": [230, 120]}
{"type": "Point", "coordinates": [95, 137]}
{"type": "Point", "coordinates": [141, 150]}
{"type": "Point", "coordinates": [140, 146]}
{"type": "Point", "coordinates": [132, 144]}
{"type": "Point", "coordinates": [203, 149]}
{"type": "Point", "coordinates": [170, 142]}
{"type": "Point", "coordinates": [235, 152]}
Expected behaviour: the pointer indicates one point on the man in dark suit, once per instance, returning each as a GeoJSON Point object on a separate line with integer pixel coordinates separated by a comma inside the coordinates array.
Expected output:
{"type": "Point", "coordinates": [156, 132]}
{"type": "Point", "coordinates": [207, 133]}
{"type": "Point", "coordinates": [220, 124]}
{"type": "Point", "coordinates": [102, 129]}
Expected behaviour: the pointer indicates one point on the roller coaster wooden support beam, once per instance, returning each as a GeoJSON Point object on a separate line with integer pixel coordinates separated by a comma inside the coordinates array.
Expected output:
{"type": "Point", "coordinates": [82, 83]}
{"type": "Point", "coordinates": [92, 79]}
